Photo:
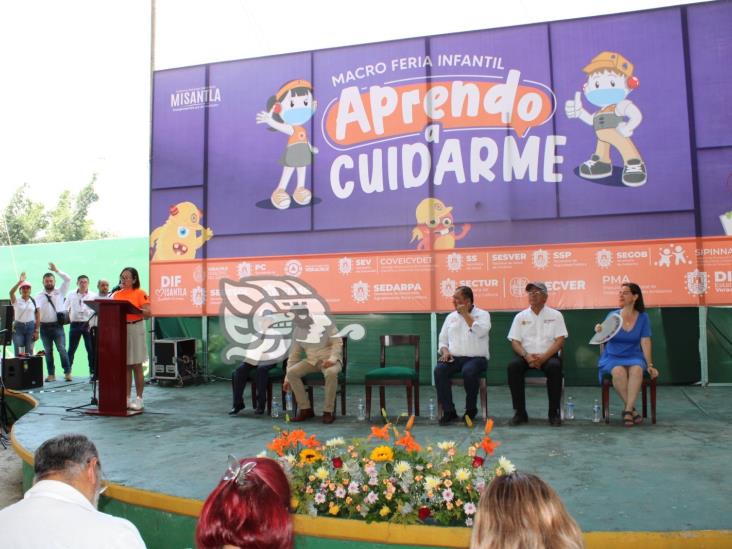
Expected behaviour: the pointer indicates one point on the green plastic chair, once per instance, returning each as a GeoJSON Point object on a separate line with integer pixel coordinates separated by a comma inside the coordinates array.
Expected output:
{"type": "Point", "coordinates": [394, 374]}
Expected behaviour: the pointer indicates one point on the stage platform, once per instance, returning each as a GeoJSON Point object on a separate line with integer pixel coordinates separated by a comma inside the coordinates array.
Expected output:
{"type": "Point", "coordinates": [663, 485]}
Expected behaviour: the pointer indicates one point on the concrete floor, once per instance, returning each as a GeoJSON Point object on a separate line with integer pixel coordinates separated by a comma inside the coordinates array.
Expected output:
{"type": "Point", "coordinates": [671, 476]}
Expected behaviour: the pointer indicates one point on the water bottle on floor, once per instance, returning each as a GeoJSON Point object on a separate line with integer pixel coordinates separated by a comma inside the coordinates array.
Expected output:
{"type": "Point", "coordinates": [569, 413]}
{"type": "Point", "coordinates": [432, 410]}
{"type": "Point", "coordinates": [596, 415]}
{"type": "Point", "coordinates": [288, 403]}
{"type": "Point", "coordinates": [361, 410]}
{"type": "Point", "coordinates": [275, 408]}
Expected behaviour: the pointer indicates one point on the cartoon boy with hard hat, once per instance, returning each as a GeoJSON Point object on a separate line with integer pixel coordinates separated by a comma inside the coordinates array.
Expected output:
{"type": "Point", "coordinates": [435, 227]}
{"type": "Point", "coordinates": [609, 82]}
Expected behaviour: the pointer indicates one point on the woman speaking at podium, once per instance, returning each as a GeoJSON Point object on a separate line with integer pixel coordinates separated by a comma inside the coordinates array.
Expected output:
{"type": "Point", "coordinates": [129, 282]}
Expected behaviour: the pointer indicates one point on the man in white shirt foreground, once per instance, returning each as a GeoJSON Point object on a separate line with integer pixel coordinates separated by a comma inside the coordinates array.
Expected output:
{"type": "Point", "coordinates": [463, 347]}
{"type": "Point", "coordinates": [60, 510]}
{"type": "Point", "coordinates": [537, 335]}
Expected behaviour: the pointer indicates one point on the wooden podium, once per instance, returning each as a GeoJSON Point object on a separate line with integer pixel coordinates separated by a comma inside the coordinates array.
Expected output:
{"type": "Point", "coordinates": [111, 356]}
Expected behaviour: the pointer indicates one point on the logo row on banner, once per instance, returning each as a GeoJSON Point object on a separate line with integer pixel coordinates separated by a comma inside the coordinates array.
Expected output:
{"type": "Point", "coordinates": [680, 272]}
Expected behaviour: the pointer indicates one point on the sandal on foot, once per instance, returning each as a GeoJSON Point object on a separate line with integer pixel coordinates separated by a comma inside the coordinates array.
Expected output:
{"type": "Point", "coordinates": [280, 199]}
{"type": "Point", "coordinates": [628, 418]}
{"type": "Point", "coordinates": [637, 418]}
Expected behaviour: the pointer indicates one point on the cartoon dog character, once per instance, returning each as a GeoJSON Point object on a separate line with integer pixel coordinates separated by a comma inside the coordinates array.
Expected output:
{"type": "Point", "coordinates": [609, 82]}
{"type": "Point", "coordinates": [435, 227]}
{"type": "Point", "coordinates": [181, 235]}
{"type": "Point", "coordinates": [287, 112]}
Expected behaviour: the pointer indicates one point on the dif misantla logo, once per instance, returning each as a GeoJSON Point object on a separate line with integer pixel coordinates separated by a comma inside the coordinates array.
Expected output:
{"type": "Point", "coordinates": [195, 98]}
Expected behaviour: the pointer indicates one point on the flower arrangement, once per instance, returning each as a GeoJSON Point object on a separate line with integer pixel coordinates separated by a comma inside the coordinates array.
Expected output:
{"type": "Point", "coordinates": [388, 476]}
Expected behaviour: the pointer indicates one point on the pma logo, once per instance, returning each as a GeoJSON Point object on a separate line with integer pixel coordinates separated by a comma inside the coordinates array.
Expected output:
{"type": "Point", "coordinates": [540, 259]}
{"type": "Point", "coordinates": [454, 262]}
{"type": "Point", "coordinates": [447, 287]}
{"type": "Point", "coordinates": [604, 258]}
{"type": "Point", "coordinates": [697, 282]}
{"type": "Point", "coordinates": [360, 291]}
{"type": "Point", "coordinates": [345, 265]}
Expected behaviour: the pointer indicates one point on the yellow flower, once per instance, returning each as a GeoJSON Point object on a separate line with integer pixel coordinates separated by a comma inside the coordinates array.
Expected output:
{"type": "Point", "coordinates": [446, 444]}
{"type": "Point", "coordinates": [447, 482]}
{"type": "Point", "coordinates": [331, 486]}
{"type": "Point", "coordinates": [462, 474]}
{"type": "Point", "coordinates": [294, 502]}
{"type": "Point", "coordinates": [321, 473]}
{"type": "Point", "coordinates": [308, 455]}
{"type": "Point", "coordinates": [384, 511]}
{"type": "Point", "coordinates": [449, 506]}
{"type": "Point", "coordinates": [459, 502]}
{"type": "Point", "coordinates": [471, 451]}
{"type": "Point", "coordinates": [333, 510]}
{"type": "Point", "coordinates": [506, 465]}
{"type": "Point", "coordinates": [349, 500]}
{"type": "Point", "coordinates": [388, 496]}
{"type": "Point", "coordinates": [382, 453]}
{"type": "Point", "coordinates": [311, 478]}
{"type": "Point", "coordinates": [431, 483]}
{"type": "Point", "coordinates": [402, 467]}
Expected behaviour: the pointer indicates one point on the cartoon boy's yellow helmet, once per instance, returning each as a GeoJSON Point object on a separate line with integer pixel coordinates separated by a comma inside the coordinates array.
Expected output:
{"type": "Point", "coordinates": [431, 208]}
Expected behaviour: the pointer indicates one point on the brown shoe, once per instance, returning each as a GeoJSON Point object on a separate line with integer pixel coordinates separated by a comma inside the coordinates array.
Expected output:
{"type": "Point", "coordinates": [303, 414]}
{"type": "Point", "coordinates": [328, 418]}
{"type": "Point", "coordinates": [50, 378]}
{"type": "Point", "coordinates": [67, 377]}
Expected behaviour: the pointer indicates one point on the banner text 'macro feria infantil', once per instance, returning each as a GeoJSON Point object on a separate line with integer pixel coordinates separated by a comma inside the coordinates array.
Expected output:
{"type": "Point", "coordinates": [585, 153]}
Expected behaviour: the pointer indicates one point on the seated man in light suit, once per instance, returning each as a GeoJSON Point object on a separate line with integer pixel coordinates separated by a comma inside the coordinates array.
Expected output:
{"type": "Point", "coordinates": [537, 335]}
{"type": "Point", "coordinates": [463, 347]}
{"type": "Point", "coordinates": [323, 354]}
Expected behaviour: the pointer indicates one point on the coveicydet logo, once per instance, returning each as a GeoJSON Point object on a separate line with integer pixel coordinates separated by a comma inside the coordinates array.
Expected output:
{"type": "Point", "coordinates": [386, 112]}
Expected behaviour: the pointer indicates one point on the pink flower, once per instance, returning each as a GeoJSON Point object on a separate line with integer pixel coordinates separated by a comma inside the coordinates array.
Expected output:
{"type": "Point", "coordinates": [447, 495]}
{"type": "Point", "coordinates": [469, 508]}
{"type": "Point", "coordinates": [371, 498]}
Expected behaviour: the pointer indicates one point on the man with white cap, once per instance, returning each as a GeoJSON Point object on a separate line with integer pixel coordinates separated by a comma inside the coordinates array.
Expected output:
{"type": "Point", "coordinates": [537, 335]}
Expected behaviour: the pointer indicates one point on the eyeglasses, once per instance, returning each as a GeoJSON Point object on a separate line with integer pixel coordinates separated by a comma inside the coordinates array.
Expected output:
{"type": "Point", "coordinates": [534, 292]}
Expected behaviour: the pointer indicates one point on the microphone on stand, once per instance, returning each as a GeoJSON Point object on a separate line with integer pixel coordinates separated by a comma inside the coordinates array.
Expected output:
{"type": "Point", "coordinates": [117, 288]}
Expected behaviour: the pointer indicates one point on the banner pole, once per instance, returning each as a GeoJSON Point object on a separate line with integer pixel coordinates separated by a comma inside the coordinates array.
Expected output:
{"type": "Point", "coordinates": [703, 347]}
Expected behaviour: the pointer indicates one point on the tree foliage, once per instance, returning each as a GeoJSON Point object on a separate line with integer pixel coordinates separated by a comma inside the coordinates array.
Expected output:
{"type": "Point", "coordinates": [24, 218]}
{"type": "Point", "coordinates": [29, 222]}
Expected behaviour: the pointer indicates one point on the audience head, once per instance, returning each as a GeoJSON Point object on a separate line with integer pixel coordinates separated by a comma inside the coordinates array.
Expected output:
{"type": "Point", "coordinates": [537, 293]}
{"type": "Point", "coordinates": [103, 286]}
{"type": "Point", "coordinates": [521, 511]}
{"type": "Point", "coordinates": [129, 278]}
{"type": "Point", "coordinates": [72, 459]}
{"type": "Point", "coordinates": [25, 289]}
{"type": "Point", "coordinates": [249, 508]}
{"type": "Point", "coordinates": [635, 295]}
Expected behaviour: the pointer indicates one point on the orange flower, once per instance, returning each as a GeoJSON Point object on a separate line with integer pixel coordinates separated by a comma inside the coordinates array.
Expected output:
{"type": "Point", "coordinates": [488, 426]}
{"type": "Point", "coordinates": [277, 445]}
{"type": "Point", "coordinates": [489, 445]}
{"type": "Point", "coordinates": [410, 445]}
{"type": "Point", "coordinates": [298, 435]}
{"type": "Point", "coordinates": [380, 432]}
{"type": "Point", "coordinates": [410, 423]}
{"type": "Point", "coordinates": [311, 442]}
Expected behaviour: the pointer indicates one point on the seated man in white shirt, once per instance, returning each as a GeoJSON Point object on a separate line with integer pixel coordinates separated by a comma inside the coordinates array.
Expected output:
{"type": "Point", "coordinates": [60, 510]}
{"type": "Point", "coordinates": [463, 347]}
{"type": "Point", "coordinates": [537, 335]}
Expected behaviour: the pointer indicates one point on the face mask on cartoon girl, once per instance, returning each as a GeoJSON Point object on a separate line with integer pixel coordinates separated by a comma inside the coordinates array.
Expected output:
{"type": "Point", "coordinates": [298, 115]}
{"type": "Point", "coordinates": [603, 97]}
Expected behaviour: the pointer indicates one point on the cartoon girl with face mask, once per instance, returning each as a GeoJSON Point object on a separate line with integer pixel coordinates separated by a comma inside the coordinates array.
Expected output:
{"type": "Point", "coordinates": [609, 82]}
{"type": "Point", "coordinates": [287, 112]}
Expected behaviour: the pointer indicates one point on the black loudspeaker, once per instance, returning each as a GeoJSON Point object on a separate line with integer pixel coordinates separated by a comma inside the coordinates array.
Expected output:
{"type": "Point", "coordinates": [23, 373]}
{"type": "Point", "coordinates": [7, 314]}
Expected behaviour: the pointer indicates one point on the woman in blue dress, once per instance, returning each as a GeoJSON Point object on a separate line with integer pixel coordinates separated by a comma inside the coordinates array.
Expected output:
{"type": "Point", "coordinates": [628, 354]}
